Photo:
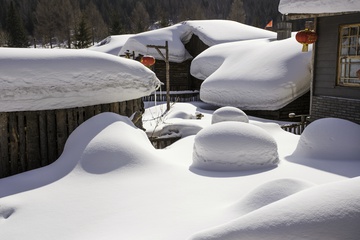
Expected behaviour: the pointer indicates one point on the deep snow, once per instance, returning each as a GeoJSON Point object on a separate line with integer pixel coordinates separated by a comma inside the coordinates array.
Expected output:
{"type": "Point", "coordinates": [110, 183]}
{"type": "Point", "coordinates": [41, 79]}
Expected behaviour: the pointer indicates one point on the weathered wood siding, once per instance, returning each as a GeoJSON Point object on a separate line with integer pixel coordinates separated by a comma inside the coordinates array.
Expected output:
{"type": "Point", "coordinates": [329, 99]}
{"type": "Point", "coordinates": [33, 139]}
{"type": "Point", "coordinates": [326, 59]}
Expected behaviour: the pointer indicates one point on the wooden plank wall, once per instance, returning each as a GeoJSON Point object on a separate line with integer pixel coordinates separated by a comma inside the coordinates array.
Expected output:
{"type": "Point", "coordinates": [33, 139]}
{"type": "Point", "coordinates": [326, 59]}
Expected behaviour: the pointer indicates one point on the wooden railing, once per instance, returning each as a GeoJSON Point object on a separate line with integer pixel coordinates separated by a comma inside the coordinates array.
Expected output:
{"type": "Point", "coordinates": [185, 96]}
{"type": "Point", "coordinates": [296, 128]}
{"type": "Point", "coordinates": [160, 143]}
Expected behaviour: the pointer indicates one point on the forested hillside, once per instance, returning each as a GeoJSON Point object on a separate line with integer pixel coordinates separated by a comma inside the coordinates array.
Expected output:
{"type": "Point", "coordinates": [87, 21]}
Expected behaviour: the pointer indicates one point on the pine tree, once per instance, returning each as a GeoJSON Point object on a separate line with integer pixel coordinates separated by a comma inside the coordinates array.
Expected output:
{"type": "Point", "coordinates": [115, 25]}
{"type": "Point", "coordinates": [17, 36]}
{"type": "Point", "coordinates": [82, 35]}
{"type": "Point", "coordinates": [237, 12]}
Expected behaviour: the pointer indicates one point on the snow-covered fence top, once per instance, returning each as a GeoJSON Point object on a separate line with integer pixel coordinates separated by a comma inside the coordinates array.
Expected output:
{"type": "Point", "coordinates": [43, 79]}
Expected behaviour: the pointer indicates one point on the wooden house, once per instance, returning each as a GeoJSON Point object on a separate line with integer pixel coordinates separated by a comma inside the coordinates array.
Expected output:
{"type": "Point", "coordinates": [335, 88]}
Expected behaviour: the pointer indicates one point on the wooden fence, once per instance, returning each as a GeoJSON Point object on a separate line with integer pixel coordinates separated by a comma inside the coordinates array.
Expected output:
{"type": "Point", "coordinates": [174, 97]}
{"type": "Point", "coordinates": [33, 139]}
{"type": "Point", "coordinates": [296, 128]}
{"type": "Point", "coordinates": [160, 143]}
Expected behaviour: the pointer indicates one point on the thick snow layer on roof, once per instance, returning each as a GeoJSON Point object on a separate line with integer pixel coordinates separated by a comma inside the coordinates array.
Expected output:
{"type": "Point", "coordinates": [211, 32]}
{"type": "Point", "coordinates": [255, 75]}
{"type": "Point", "coordinates": [175, 35]}
{"type": "Point", "coordinates": [318, 6]}
{"type": "Point", "coordinates": [111, 44]}
{"type": "Point", "coordinates": [39, 79]}
{"type": "Point", "coordinates": [222, 31]}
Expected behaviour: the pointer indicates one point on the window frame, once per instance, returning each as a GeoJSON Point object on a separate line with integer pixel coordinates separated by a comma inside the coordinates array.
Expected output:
{"type": "Point", "coordinates": [347, 61]}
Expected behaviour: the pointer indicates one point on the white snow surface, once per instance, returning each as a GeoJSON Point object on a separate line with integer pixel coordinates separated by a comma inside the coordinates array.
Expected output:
{"type": "Point", "coordinates": [110, 183]}
{"type": "Point", "coordinates": [211, 32]}
{"type": "Point", "coordinates": [322, 138]}
{"type": "Point", "coordinates": [222, 31]}
{"type": "Point", "coordinates": [111, 44]}
{"type": "Point", "coordinates": [41, 79]}
{"type": "Point", "coordinates": [229, 114]}
{"type": "Point", "coordinates": [234, 146]}
{"type": "Point", "coordinates": [318, 6]}
{"type": "Point", "coordinates": [253, 75]}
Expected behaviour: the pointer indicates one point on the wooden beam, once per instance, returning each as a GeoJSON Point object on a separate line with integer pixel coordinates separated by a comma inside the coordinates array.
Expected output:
{"type": "Point", "coordinates": [166, 59]}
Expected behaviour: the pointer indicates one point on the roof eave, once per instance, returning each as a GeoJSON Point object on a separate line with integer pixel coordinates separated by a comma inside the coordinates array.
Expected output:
{"type": "Point", "coordinates": [296, 16]}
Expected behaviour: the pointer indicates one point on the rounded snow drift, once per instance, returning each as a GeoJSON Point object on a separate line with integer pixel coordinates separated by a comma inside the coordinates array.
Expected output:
{"type": "Point", "coordinates": [330, 138]}
{"type": "Point", "coordinates": [234, 146]}
{"type": "Point", "coordinates": [229, 114]}
{"type": "Point", "coordinates": [270, 192]}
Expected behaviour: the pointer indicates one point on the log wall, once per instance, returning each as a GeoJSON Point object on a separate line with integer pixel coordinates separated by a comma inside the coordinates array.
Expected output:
{"type": "Point", "coordinates": [33, 139]}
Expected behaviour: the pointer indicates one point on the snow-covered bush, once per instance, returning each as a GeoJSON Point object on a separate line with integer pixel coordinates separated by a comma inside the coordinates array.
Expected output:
{"type": "Point", "coordinates": [229, 114]}
{"type": "Point", "coordinates": [330, 138]}
{"type": "Point", "coordinates": [232, 146]}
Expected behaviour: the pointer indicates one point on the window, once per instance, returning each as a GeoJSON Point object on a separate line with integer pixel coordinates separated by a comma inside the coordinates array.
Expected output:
{"type": "Point", "coordinates": [349, 56]}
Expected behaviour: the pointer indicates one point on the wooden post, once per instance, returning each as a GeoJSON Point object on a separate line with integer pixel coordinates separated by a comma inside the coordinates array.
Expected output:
{"type": "Point", "coordinates": [166, 59]}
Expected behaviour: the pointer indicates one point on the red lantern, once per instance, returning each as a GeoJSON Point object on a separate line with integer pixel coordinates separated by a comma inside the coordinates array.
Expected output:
{"type": "Point", "coordinates": [306, 37]}
{"type": "Point", "coordinates": [147, 60]}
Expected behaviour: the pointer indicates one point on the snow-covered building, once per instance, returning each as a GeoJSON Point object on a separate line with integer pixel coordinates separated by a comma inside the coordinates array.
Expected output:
{"type": "Point", "coordinates": [336, 77]}
{"type": "Point", "coordinates": [46, 94]}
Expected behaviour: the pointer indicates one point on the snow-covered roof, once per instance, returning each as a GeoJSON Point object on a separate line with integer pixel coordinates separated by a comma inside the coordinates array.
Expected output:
{"type": "Point", "coordinates": [211, 32]}
{"type": "Point", "coordinates": [215, 32]}
{"type": "Point", "coordinates": [254, 74]}
{"type": "Point", "coordinates": [318, 6]}
{"type": "Point", "coordinates": [39, 79]}
{"type": "Point", "coordinates": [111, 44]}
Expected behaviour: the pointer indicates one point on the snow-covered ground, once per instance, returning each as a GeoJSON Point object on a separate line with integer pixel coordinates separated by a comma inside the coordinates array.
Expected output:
{"type": "Point", "coordinates": [110, 183]}
{"type": "Point", "coordinates": [231, 176]}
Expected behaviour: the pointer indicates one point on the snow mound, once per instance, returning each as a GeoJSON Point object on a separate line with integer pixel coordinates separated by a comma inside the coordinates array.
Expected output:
{"type": "Point", "coordinates": [229, 114]}
{"type": "Point", "coordinates": [232, 146]}
{"type": "Point", "coordinates": [112, 149]}
{"type": "Point", "coordinates": [213, 32]}
{"type": "Point", "coordinates": [42, 79]}
{"type": "Point", "coordinates": [112, 44]}
{"type": "Point", "coordinates": [270, 192]}
{"type": "Point", "coordinates": [322, 138]}
{"type": "Point", "coordinates": [329, 211]}
{"type": "Point", "coordinates": [265, 76]}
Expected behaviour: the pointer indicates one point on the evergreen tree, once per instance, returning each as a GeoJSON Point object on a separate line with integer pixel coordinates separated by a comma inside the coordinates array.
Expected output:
{"type": "Point", "coordinates": [237, 12]}
{"type": "Point", "coordinates": [140, 19]}
{"type": "Point", "coordinates": [82, 35]}
{"type": "Point", "coordinates": [17, 36]}
{"type": "Point", "coordinates": [115, 25]}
